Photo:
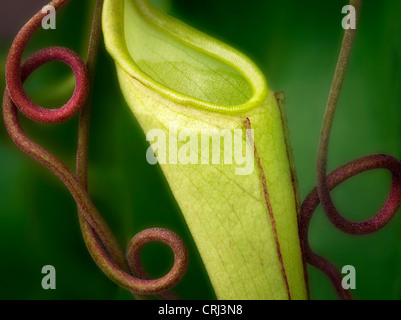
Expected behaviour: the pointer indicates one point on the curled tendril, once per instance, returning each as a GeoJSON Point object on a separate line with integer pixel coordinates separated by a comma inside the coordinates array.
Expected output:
{"type": "Point", "coordinates": [386, 213]}
{"type": "Point", "coordinates": [104, 248]}
{"type": "Point", "coordinates": [321, 194]}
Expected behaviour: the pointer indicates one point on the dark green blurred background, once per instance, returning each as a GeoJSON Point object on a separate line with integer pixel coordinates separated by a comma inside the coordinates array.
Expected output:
{"type": "Point", "coordinates": [296, 44]}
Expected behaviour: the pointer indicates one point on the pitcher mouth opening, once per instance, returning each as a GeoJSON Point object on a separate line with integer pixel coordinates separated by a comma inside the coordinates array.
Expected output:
{"type": "Point", "coordinates": [179, 62]}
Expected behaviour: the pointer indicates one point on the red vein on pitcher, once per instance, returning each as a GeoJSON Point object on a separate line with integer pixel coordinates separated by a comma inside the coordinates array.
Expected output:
{"type": "Point", "coordinates": [247, 123]}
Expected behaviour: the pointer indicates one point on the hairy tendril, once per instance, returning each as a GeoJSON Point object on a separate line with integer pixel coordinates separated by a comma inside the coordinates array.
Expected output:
{"type": "Point", "coordinates": [321, 194]}
{"type": "Point", "coordinates": [128, 271]}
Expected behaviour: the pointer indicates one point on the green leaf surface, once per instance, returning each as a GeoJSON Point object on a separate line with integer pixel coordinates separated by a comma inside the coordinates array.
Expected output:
{"type": "Point", "coordinates": [245, 226]}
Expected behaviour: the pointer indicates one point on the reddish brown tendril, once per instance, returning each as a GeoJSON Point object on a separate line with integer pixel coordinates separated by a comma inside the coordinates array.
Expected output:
{"type": "Point", "coordinates": [386, 213]}
{"type": "Point", "coordinates": [321, 194]}
{"type": "Point", "coordinates": [99, 239]}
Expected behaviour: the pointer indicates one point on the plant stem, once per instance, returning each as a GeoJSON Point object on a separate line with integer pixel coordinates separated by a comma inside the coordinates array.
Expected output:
{"type": "Point", "coordinates": [339, 75]}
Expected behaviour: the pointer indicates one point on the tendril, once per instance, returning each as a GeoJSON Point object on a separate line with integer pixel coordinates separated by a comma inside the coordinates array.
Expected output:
{"type": "Point", "coordinates": [386, 213]}
{"type": "Point", "coordinates": [102, 245]}
{"type": "Point", "coordinates": [321, 194]}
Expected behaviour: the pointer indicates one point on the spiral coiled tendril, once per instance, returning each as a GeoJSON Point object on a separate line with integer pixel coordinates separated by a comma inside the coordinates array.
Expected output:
{"type": "Point", "coordinates": [386, 213]}
{"type": "Point", "coordinates": [321, 194]}
{"type": "Point", "coordinates": [99, 239]}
